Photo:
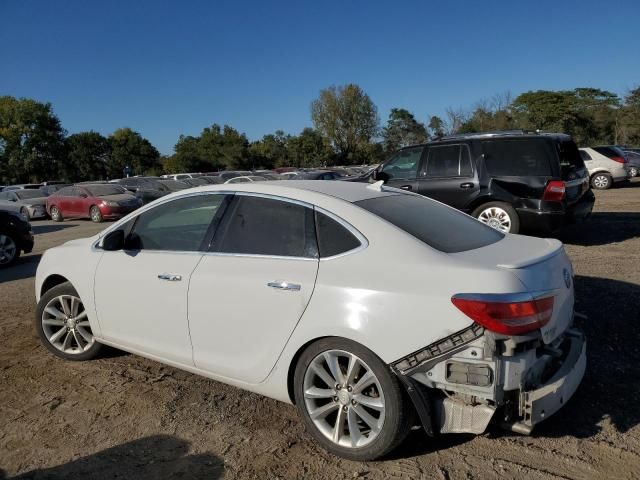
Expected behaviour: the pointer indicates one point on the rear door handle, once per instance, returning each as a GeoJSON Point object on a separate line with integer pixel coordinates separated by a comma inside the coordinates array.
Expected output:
{"type": "Point", "coordinates": [278, 285]}
{"type": "Point", "coordinates": [406, 187]}
{"type": "Point", "coordinates": [466, 185]}
{"type": "Point", "coordinates": [170, 277]}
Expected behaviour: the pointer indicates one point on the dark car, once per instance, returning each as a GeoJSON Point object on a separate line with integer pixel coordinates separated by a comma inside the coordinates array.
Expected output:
{"type": "Point", "coordinates": [319, 175]}
{"type": "Point", "coordinates": [633, 161]}
{"type": "Point", "coordinates": [146, 189]}
{"type": "Point", "coordinates": [97, 202]}
{"type": "Point", "coordinates": [15, 237]}
{"type": "Point", "coordinates": [511, 180]}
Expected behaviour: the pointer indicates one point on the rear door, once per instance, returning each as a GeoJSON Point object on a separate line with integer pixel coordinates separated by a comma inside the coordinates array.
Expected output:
{"type": "Point", "coordinates": [247, 295]}
{"type": "Point", "coordinates": [401, 170]}
{"type": "Point", "coordinates": [447, 175]}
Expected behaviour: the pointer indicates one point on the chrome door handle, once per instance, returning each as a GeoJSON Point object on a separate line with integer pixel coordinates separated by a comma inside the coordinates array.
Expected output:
{"type": "Point", "coordinates": [406, 187]}
{"type": "Point", "coordinates": [466, 185]}
{"type": "Point", "coordinates": [284, 286]}
{"type": "Point", "coordinates": [170, 277]}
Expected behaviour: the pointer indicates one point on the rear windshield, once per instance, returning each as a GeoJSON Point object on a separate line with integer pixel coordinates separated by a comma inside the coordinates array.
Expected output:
{"type": "Point", "coordinates": [609, 151]}
{"type": "Point", "coordinates": [103, 190]}
{"type": "Point", "coordinates": [518, 157]}
{"type": "Point", "coordinates": [437, 225]}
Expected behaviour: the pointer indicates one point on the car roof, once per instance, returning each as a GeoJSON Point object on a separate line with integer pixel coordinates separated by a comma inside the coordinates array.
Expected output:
{"type": "Point", "coordinates": [348, 191]}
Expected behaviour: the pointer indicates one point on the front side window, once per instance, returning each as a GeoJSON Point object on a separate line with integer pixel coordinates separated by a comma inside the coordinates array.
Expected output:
{"type": "Point", "coordinates": [404, 165]}
{"type": "Point", "coordinates": [178, 225]}
{"type": "Point", "coordinates": [266, 226]}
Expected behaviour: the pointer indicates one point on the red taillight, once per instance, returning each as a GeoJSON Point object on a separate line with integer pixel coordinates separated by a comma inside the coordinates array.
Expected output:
{"type": "Point", "coordinates": [554, 191]}
{"type": "Point", "coordinates": [618, 159]}
{"type": "Point", "coordinates": [508, 318]}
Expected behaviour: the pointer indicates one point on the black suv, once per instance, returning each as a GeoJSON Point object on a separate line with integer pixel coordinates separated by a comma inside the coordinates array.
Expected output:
{"type": "Point", "coordinates": [510, 180]}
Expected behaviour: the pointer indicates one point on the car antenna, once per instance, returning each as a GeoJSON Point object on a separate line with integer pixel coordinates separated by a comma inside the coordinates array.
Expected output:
{"type": "Point", "coordinates": [376, 186]}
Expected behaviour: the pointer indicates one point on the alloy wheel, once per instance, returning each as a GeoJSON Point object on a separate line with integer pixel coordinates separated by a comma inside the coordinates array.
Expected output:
{"type": "Point", "coordinates": [55, 213]}
{"type": "Point", "coordinates": [8, 249]}
{"type": "Point", "coordinates": [496, 218]}
{"type": "Point", "coordinates": [601, 181]}
{"type": "Point", "coordinates": [633, 171]}
{"type": "Point", "coordinates": [344, 398]}
{"type": "Point", "coordinates": [65, 325]}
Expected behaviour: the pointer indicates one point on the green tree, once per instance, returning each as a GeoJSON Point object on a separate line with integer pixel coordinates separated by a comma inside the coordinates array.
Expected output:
{"type": "Point", "coordinates": [436, 126]}
{"type": "Point", "coordinates": [628, 119]}
{"type": "Point", "coordinates": [31, 141]}
{"type": "Point", "coordinates": [89, 155]}
{"type": "Point", "coordinates": [130, 149]}
{"type": "Point", "coordinates": [223, 147]}
{"type": "Point", "coordinates": [271, 151]}
{"type": "Point", "coordinates": [309, 149]}
{"type": "Point", "coordinates": [347, 117]}
{"type": "Point", "coordinates": [402, 129]}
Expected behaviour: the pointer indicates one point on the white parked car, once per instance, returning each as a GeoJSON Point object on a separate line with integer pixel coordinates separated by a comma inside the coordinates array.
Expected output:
{"type": "Point", "coordinates": [606, 165]}
{"type": "Point", "coordinates": [181, 176]}
{"type": "Point", "coordinates": [361, 304]}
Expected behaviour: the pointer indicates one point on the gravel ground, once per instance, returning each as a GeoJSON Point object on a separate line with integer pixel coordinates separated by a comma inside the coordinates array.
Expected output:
{"type": "Point", "coordinates": [122, 416]}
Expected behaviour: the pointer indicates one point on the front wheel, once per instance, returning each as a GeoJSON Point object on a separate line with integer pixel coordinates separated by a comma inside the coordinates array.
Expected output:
{"type": "Point", "coordinates": [95, 214]}
{"type": "Point", "coordinates": [499, 215]}
{"type": "Point", "coordinates": [9, 250]}
{"type": "Point", "coordinates": [63, 326]}
{"type": "Point", "coordinates": [25, 214]}
{"type": "Point", "coordinates": [350, 401]}
{"type": "Point", "coordinates": [55, 214]}
{"type": "Point", "coordinates": [601, 181]}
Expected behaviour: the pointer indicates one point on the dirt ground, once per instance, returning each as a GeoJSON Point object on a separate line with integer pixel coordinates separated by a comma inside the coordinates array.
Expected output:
{"type": "Point", "coordinates": [122, 416]}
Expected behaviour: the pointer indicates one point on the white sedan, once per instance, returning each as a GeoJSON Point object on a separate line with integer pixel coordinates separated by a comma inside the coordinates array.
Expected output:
{"type": "Point", "coordinates": [371, 309]}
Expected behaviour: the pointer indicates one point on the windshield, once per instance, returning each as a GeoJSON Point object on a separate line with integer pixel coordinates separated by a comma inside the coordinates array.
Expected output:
{"type": "Point", "coordinates": [104, 190]}
{"type": "Point", "coordinates": [437, 225]}
{"type": "Point", "coordinates": [27, 194]}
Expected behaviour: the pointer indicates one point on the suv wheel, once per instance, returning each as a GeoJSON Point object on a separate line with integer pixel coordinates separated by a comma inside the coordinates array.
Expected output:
{"type": "Point", "coordinates": [499, 215]}
{"type": "Point", "coordinates": [9, 251]}
{"type": "Point", "coordinates": [633, 171]}
{"type": "Point", "coordinates": [601, 181]}
{"type": "Point", "coordinates": [350, 400]}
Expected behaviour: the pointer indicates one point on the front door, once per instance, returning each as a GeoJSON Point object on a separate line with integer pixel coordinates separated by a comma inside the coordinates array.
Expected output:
{"type": "Point", "coordinates": [247, 295]}
{"type": "Point", "coordinates": [447, 175]}
{"type": "Point", "coordinates": [401, 171]}
{"type": "Point", "coordinates": [141, 292]}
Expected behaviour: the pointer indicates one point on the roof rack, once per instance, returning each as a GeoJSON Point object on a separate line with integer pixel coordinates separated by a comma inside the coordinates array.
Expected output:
{"type": "Point", "coordinates": [495, 133]}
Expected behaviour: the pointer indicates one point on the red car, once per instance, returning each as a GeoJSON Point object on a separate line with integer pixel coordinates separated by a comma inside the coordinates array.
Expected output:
{"type": "Point", "coordinates": [95, 201]}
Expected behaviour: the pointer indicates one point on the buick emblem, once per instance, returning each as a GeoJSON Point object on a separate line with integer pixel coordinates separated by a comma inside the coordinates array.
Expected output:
{"type": "Point", "coordinates": [567, 278]}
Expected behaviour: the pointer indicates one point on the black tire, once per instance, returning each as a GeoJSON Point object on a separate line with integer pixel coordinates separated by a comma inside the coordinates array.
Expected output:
{"type": "Point", "coordinates": [63, 289]}
{"type": "Point", "coordinates": [601, 181]}
{"type": "Point", "coordinates": [513, 219]}
{"type": "Point", "coordinates": [25, 214]}
{"type": "Point", "coordinates": [55, 214]}
{"type": "Point", "coordinates": [9, 249]}
{"type": "Point", "coordinates": [633, 171]}
{"type": "Point", "coordinates": [95, 214]}
{"type": "Point", "coordinates": [398, 412]}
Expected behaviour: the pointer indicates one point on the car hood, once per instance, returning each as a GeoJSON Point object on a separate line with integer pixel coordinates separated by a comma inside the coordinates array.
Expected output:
{"type": "Point", "coordinates": [34, 201]}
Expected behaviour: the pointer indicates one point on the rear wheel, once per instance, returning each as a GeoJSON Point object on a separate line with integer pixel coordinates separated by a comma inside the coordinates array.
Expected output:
{"type": "Point", "coordinates": [350, 401]}
{"type": "Point", "coordinates": [633, 171]}
{"type": "Point", "coordinates": [9, 250]}
{"type": "Point", "coordinates": [63, 326]}
{"type": "Point", "coordinates": [55, 214]}
{"type": "Point", "coordinates": [95, 214]}
{"type": "Point", "coordinates": [601, 181]}
{"type": "Point", "coordinates": [499, 215]}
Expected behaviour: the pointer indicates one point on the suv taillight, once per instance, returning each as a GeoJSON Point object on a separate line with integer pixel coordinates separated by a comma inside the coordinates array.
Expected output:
{"type": "Point", "coordinates": [554, 191]}
{"type": "Point", "coordinates": [508, 318]}
{"type": "Point", "coordinates": [618, 159]}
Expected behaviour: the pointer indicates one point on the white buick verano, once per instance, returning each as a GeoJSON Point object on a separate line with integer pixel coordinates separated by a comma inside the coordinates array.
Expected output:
{"type": "Point", "coordinates": [371, 309]}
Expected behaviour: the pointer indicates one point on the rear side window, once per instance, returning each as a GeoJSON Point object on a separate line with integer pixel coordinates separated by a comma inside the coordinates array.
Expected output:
{"type": "Point", "coordinates": [609, 151]}
{"type": "Point", "coordinates": [66, 191]}
{"type": "Point", "coordinates": [265, 226]}
{"type": "Point", "coordinates": [333, 237]}
{"type": "Point", "coordinates": [449, 161]}
{"type": "Point", "coordinates": [518, 157]}
{"type": "Point", "coordinates": [584, 155]}
{"type": "Point", "coordinates": [437, 225]}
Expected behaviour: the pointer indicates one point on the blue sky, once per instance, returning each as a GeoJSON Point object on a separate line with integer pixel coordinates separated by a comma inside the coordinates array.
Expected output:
{"type": "Point", "coordinates": [169, 68]}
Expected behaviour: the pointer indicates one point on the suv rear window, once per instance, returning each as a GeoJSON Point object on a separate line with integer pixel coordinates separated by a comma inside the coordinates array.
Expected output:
{"type": "Point", "coordinates": [518, 157]}
{"type": "Point", "coordinates": [437, 225]}
{"type": "Point", "coordinates": [609, 151]}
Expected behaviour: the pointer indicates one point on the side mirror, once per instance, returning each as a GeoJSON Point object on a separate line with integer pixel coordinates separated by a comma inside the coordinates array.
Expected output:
{"type": "Point", "coordinates": [113, 241]}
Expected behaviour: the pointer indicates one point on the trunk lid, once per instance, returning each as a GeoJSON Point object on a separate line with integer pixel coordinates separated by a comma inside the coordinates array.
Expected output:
{"type": "Point", "coordinates": [541, 265]}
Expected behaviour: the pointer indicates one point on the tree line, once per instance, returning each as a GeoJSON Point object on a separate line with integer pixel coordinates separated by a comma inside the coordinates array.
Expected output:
{"type": "Point", "coordinates": [346, 130]}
